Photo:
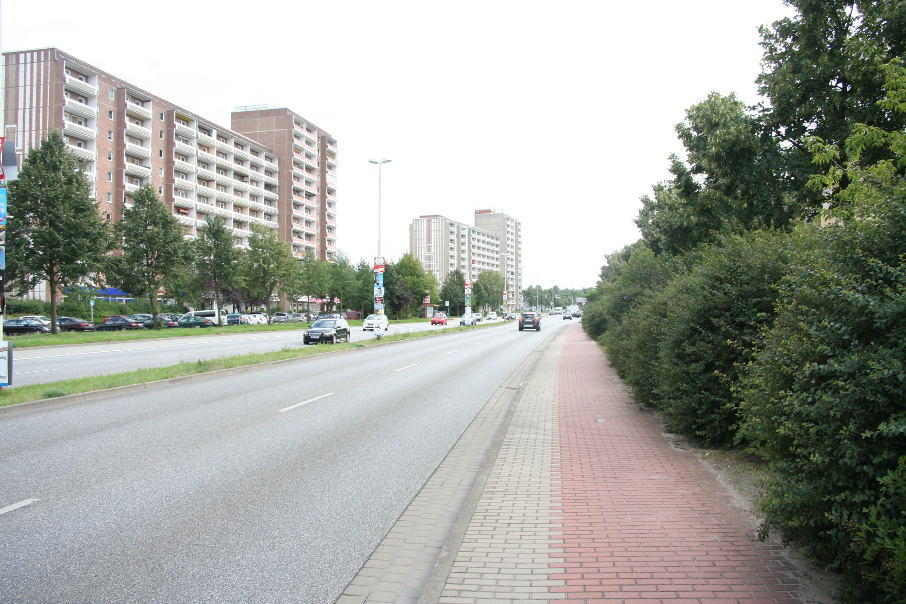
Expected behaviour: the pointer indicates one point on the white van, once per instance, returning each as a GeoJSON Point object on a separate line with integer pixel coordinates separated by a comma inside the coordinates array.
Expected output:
{"type": "Point", "coordinates": [209, 314]}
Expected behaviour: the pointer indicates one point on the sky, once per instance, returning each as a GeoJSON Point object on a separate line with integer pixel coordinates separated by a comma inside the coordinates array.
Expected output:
{"type": "Point", "coordinates": [560, 114]}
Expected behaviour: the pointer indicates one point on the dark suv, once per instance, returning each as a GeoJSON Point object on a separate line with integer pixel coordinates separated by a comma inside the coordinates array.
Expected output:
{"type": "Point", "coordinates": [530, 320]}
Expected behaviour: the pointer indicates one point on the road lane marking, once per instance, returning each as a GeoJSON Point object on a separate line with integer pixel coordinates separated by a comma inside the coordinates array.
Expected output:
{"type": "Point", "coordinates": [451, 352]}
{"type": "Point", "coordinates": [16, 506]}
{"type": "Point", "coordinates": [405, 368]}
{"type": "Point", "coordinates": [311, 400]}
{"type": "Point", "coordinates": [37, 371]}
{"type": "Point", "coordinates": [20, 356]}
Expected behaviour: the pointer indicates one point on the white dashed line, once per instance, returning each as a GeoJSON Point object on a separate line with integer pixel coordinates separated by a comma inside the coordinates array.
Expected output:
{"type": "Point", "coordinates": [311, 400]}
{"type": "Point", "coordinates": [450, 352]}
{"type": "Point", "coordinates": [16, 506]}
{"type": "Point", "coordinates": [405, 368]}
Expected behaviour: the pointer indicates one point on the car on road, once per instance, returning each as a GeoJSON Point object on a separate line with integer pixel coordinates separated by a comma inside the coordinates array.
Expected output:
{"type": "Point", "coordinates": [468, 319]}
{"type": "Point", "coordinates": [195, 321]}
{"type": "Point", "coordinates": [74, 324]}
{"type": "Point", "coordinates": [23, 326]}
{"type": "Point", "coordinates": [567, 316]}
{"type": "Point", "coordinates": [492, 316]}
{"type": "Point", "coordinates": [327, 330]}
{"type": "Point", "coordinates": [439, 319]}
{"type": "Point", "coordinates": [118, 323]}
{"type": "Point", "coordinates": [376, 323]}
{"type": "Point", "coordinates": [530, 320]}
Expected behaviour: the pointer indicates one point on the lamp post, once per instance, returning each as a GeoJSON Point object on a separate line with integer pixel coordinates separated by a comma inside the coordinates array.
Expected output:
{"type": "Point", "coordinates": [379, 260]}
{"type": "Point", "coordinates": [379, 162]}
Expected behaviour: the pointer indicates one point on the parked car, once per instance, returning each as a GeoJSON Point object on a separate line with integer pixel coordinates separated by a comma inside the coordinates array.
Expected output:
{"type": "Point", "coordinates": [327, 330]}
{"type": "Point", "coordinates": [352, 315]}
{"type": "Point", "coordinates": [295, 317]}
{"type": "Point", "coordinates": [530, 320]}
{"type": "Point", "coordinates": [330, 315]}
{"type": "Point", "coordinates": [439, 319]}
{"type": "Point", "coordinates": [376, 323]}
{"type": "Point", "coordinates": [233, 318]}
{"type": "Point", "coordinates": [492, 316]}
{"type": "Point", "coordinates": [168, 319]}
{"type": "Point", "coordinates": [23, 326]}
{"type": "Point", "coordinates": [39, 318]}
{"type": "Point", "coordinates": [189, 320]}
{"type": "Point", "coordinates": [567, 316]}
{"type": "Point", "coordinates": [74, 324]}
{"type": "Point", "coordinates": [279, 317]}
{"type": "Point", "coordinates": [143, 318]}
{"type": "Point", "coordinates": [119, 323]}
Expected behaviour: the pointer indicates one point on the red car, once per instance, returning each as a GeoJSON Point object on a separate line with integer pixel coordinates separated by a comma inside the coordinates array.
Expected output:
{"type": "Point", "coordinates": [439, 319]}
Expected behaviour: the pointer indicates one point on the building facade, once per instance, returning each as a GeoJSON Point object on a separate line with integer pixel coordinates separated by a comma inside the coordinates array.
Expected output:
{"type": "Point", "coordinates": [443, 245]}
{"type": "Point", "coordinates": [509, 233]}
{"type": "Point", "coordinates": [126, 137]}
{"type": "Point", "coordinates": [307, 157]}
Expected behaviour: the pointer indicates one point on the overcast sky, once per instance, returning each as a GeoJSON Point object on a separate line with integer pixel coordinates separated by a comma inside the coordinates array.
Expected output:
{"type": "Point", "coordinates": [559, 113]}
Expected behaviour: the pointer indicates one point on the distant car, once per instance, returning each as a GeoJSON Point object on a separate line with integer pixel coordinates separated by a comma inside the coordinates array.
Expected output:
{"type": "Point", "coordinates": [439, 319]}
{"type": "Point", "coordinates": [530, 320]}
{"type": "Point", "coordinates": [330, 315]}
{"type": "Point", "coordinates": [143, 318]}
{"type": "Point", "coordinates": [567, 316]}
{"type": "Point", "coordinates": [376, 323]}
{"type": "Point", "coordinates": [279, 317]}
{"type": "Point", "coordinates": [168, 319]}
{"type": "Point", "coordinates": [233, 318]}
{"type": "Point", "coordinates": [295, 317]}
{"type": "Point", "coordinates": [509, 316]}
{"type": "Point", "coordinates": [326, 330]}
{"type": "Point", "coordinates": [352, 315]}
{"type": "Point", "coordinates": [492, 316]}
{"type": "Point", "coordinates": [195, 321]}
{"type": "Point", "coordinates": [468, 319]}
{"type": "Point", "coordinates": [39, 318]}
{"type": "Point", "coordinates": [24, 326]}
{"type": "Point", "coordinates": [119, 323]}
{"type": "Point", "coordinates": [74, 324]}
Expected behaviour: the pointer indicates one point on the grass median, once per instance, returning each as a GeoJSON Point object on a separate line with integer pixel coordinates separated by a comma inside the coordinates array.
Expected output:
{"type": "Point", "coordinates": [36, 392]}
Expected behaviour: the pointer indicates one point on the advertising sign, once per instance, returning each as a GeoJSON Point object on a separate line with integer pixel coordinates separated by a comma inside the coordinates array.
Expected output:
{"type": "Point", "coordinates": [6, 363]}
{"type": "Point", "coordinates": [379, 264]}
{"type": "Point", "coordinates": [2, 208]}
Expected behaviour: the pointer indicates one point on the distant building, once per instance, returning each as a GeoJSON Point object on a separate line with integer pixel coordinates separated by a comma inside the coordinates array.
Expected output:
{"type": "Point", "coordinates": [443, 245]}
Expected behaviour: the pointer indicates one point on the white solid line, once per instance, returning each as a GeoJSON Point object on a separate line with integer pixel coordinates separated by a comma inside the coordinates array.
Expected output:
{"type": "Point", "coordinates": [311, 400]}
{"type": "Point", "coordinates": [451, 352]}
{"type": "Point", "coordinates": [16, 506]}
{"type": "Point", "coordinates": [406, 367]}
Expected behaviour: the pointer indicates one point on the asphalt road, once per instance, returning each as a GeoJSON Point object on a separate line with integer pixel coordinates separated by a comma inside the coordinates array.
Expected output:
{"type": "Point", "coordinates": [273, 484]}
{"type": "Point", "coordinates": [54, 363]}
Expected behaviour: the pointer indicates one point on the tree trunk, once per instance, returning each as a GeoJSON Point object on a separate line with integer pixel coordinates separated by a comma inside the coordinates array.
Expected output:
{"type": "Point", "coordinates": [52, 283]}
{"type": "Point", "coordinates": [152, 302]}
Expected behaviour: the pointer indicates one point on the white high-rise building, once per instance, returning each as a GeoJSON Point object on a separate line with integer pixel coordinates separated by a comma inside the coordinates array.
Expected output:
{"type": "Point", "coordinates": [509, 233]}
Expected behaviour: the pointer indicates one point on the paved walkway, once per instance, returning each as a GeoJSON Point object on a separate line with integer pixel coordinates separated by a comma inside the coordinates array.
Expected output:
{"type": "Point", "coordinates": [579, 497]}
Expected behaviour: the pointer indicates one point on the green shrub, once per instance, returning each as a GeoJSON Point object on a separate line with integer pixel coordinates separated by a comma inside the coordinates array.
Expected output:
{"type": "Point", "coordinates": [824, 399]}
{"type": "Point", "coordinates": [713, 316]}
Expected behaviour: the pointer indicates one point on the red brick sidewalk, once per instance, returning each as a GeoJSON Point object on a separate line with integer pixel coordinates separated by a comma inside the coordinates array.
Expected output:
{"type": "Point", "coordinates": [640, 519]}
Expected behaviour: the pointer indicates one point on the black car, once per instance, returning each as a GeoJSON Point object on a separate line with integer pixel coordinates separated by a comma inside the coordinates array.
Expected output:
{"type": "Point", "coordinates": [327, 330]}
{"type": "Point", "coordinates": [530, 320]}
{"type": "Point", "coordinates": [119, 323]}
{"type": "Point", "coordinates": [74, 324]}
{"type": "Point", "coordinates": [23, 326]}
{"type": "Point", "coordinates": [195, 321]}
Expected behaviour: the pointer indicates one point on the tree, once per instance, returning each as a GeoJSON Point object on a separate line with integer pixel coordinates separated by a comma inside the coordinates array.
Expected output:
{"type": "Point", "coordinates": [216, 260]}
{"type": "Point", "coordinates": [267, 266]}
{"type": "Point", "coordinates": [406, 283]}
{"type": "Point", "coordinates": [453, 290]}
{"type": "Point", "coordinates": [342, 281]}
{"type": "Point", "coordinates": [489, 290]}
{"type": "Point", "coordinates": [154, 248]}
{"type": "Point", "coordinates": [55, 233]}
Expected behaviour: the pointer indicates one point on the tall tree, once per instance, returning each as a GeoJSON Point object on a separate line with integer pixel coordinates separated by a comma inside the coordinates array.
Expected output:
{"type": "Point", "coordinates": [342, 281]}
{"type": "Point", "coordinates": [267, 266]}
{"type": "Point", "coordinates": [488, 290]}
{"type": "Point", "coordinates": [154, 248]}
{"type": "Point", "coordinates": [55, 233]}
{"type": "Point", "coordinates": [216, 260]}
{"type": "Point", "coordinates": [453, 290]}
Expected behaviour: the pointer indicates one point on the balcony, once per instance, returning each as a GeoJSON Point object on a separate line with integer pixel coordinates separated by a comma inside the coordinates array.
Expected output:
{"type": "Point", "coordinates": [138, 131]}
{"type": "Point", "coordinates": [206, 190]}
{"type": "Point", "coordinates": [186, 131]}
{"type": "Point", "coordinates": [271, 180]}
{"type": "Point", "coordinates": [241, 153]}
{"type": "Point", "coordinates": [184, 166]}
{"type": "Point", "coordinates": [184, 148]}
{"type": "Point", "coordinates": [184, 220]}
{"type": "Point", "coordinates": [271, 194]}
{"type": "Point", "coordinates": [205, 173]}
{"type": "Point", "coordinates": [131, 188]}
{"type": "Point", "coordinates": [136, 110]}
{"type": "Point", "coordinates": [183, 183]}
{"type": "Point", "coordinates": [223, 179]}
{"type": "Point", "coordinates": [207, 157]}
{"type": "Point", "coordinates": [258, 161]}
{"type": "Point", "coordinates": [81, 109]}
{"type": "Point", "coordinates": [77, 85]}
{"type": "Point", "coordinates": [81, 152]}
{"type": "Point", "coordinates": [207, 139]}
{"type": "Point", "coordinates": [138, 151]}
{"type": "Point", "coordinates": [137, 170]}
{"type": "Point", "coordinates": [72, 129]}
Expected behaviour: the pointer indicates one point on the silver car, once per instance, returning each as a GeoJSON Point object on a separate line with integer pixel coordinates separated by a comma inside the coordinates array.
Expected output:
{"type": "Point", "coordinates": [376, 323]}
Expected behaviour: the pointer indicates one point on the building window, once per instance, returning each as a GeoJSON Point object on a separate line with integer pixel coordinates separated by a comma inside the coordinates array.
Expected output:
{"type": "Point", "coordinates": [110, 115]}
{"type": "Point", "coordinates": [110, 135]}
{"type": "Point", "coordinates": [161, 116]}
{"type": "Point", "coordinates": [109, 176]}
{"type": "Point", "coordinates": [161, 133]}
{"type": "Point", "coordinates": [161, 172]}
{"type": "Point", "coordinates": [109, 199]}
{"type": "Point", "coordinates": [111, 94]}
{"type": "Point", "coordinates": [160, 190]}
{"type": "Point", "coordinates": [109, 156]}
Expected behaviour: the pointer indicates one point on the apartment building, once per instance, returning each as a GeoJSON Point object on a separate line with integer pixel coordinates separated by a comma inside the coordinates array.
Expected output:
{"type": "Point", "coordinates": [126, 137]}
{"type": "Point", "coordinates": [307, 156]}
{"type": "Point", "coordinates": [443, 245]}
{"type": "Point", "coordinates": [508, 231]}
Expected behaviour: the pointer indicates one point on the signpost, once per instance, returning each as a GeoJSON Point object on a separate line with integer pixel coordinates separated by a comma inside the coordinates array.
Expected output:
{"type": "Point", "coordinates": [468, 293]}
{"type": "Point", "coordinates": [6, 349]}
{"type": "Point", "coordinates": [379, 285]}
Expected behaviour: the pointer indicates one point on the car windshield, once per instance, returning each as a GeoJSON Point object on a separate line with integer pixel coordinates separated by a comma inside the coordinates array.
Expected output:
{"type": "Point", "coordinates": [371, 318]}
{"type": "Point", "coordinates": [325, 323]}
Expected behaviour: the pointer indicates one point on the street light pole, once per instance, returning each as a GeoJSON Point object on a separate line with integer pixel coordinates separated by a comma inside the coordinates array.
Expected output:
{"type": "Point", "coordinates": [379, 162]}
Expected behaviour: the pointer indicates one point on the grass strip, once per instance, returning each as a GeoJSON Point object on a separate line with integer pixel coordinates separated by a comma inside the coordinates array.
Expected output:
{"type": "Point", "coordinates": [37, 392]}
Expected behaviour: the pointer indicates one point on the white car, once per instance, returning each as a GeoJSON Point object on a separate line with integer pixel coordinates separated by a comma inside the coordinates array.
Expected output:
{"type": "Point", "coordinates": [469, 319]}
{"type": "Point", "coordinates": [491, 316]}
{"type": "Point", "coordinates": [39, 318]}
{"type": "Point", "coordinates": [375, 323]}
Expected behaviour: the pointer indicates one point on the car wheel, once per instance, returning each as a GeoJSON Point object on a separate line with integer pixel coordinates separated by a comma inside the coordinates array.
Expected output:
{"type": "Point", "coordinates": [520, 328]}
{"type": "Point", "coordinates": [333, 339]}
{"type": "Point", "coordinates": [538, 328]}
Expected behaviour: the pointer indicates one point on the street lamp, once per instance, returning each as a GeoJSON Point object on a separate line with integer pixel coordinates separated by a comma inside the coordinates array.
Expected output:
{"type": "Point", "coordinates": [379, 162]}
